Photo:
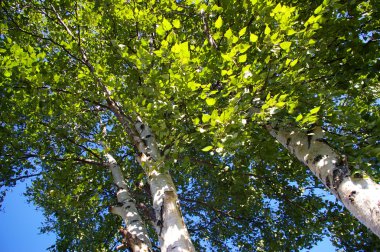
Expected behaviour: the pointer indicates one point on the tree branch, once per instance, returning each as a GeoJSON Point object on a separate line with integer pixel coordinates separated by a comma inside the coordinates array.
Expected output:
{"type": "Point", "coordinates": [62, 23]}
{"type": "Point", "coordinates": [207, 31]}
{"type": "Point", "coordinates": [43, 38]}
{"type": "Point", "coordinates": [21, 177]}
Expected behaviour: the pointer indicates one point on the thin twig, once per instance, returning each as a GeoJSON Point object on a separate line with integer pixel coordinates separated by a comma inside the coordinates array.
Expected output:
{"type": "Point", "coordinates": [62, 23]}
{"type": "Point", "coordinates": [207, 30]}
{"type": "Point", "coordinates": [43, 38]}
{"type": "Point", "coordinates": [21, 177]}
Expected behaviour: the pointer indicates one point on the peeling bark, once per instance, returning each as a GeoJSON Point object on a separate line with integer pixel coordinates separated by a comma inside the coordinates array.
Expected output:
{"type": "Point", "coordinates": [137, 236]}
{"type": "Point", "coordinates": [170, 227]}
{"type": "Point", "coordinates": [173, 233]}
{"type": "Point", "coordinates": [361, 196]}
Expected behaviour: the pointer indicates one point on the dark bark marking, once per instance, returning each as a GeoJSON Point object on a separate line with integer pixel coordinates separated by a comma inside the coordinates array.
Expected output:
{"type": "Point", "coordinates": [340, 172]}
{"type": "Point", "coordinates": [145, 142]}
{"type": "Point", "coordinates": [322, 140]}
{"type": "Point", "coordinates": [351, 197]}
{"type": "Point", "coordinates": [142, 127]}
{"type": "Point", "coordinates": [118, 187]}
{"type": "Point", "coordinates": [160, 222]}
{"type": "Point", "coordinates": [134, 221]}
{"type": "Point", "coordinates": [337, 178]}
{"type": "Point", "coordinates": [288, 141]}
{"type": "Point", "coordinates": [317, 159]}
{"type": "Point", "coordinates": [328, 182]}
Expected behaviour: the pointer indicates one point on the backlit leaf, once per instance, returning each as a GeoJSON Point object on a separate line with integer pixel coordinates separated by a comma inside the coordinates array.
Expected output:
{"type": "Point", "coordinates": [207, 148]}
{"type": "Point", "coordinates": [285, 45]}
{"type": "Point", "coordinates": [166, 25]}
{"type": "Point", "coordinates": [218, 23]}
{"type": "Point", "coordinates": [210, 101]}
{"type": "Point", "coordinates": [253, 38]}
{"type": "Point", "coordinates": [315, 110]}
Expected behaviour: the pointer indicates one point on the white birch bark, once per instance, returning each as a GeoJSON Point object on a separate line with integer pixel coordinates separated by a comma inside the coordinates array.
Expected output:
{"type": "Point", "coordinates": [172, 231]}
{"type": "Point", "coordinates": [138, 238]}
{"type": "Point", "coordinates": [359, 194]}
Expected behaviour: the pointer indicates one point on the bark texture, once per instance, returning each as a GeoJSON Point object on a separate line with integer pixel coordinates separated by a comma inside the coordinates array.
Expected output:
{"type": "Point", "coordinates": [169, 224]}
{"type": "Point", "coordinates": [172, 231]}
{"type": "Point", "coordinates": [136, 236]}
{"type": "Point", "coordinates": [359, 194]}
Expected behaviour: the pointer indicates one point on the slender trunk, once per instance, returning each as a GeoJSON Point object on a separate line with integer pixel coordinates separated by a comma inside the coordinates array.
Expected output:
{"type": "Point", "coordinates": [173, 233]}
{"type": "Point", "coordinates": [358, 193]}
{"type": "Point", "coordinates": [171, 229]}
{"type": "Point", "coordinates": [137, 236]}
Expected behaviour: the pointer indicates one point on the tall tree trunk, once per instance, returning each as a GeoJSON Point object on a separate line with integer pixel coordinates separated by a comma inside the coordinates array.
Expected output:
{"type": "Point", "coordinates": [172, 231]}
{"type": "Point", "coordinates": [358, 193]}
{"type": "Point", "coordinates": [170, 227]}
{"type": "Point", "coordinates": [137, 236]}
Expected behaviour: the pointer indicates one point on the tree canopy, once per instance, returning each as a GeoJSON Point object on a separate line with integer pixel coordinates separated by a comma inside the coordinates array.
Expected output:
{"type": "Point", "coordinates": [217, 82]}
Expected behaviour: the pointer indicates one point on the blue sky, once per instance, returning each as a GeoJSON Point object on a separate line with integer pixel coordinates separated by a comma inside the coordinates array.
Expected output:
{"type": "Point", "coordinates": [20, 222]}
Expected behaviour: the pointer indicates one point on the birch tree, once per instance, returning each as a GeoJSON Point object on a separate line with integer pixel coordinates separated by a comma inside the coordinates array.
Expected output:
{"type": "Point", "coordinates": [208, 107]}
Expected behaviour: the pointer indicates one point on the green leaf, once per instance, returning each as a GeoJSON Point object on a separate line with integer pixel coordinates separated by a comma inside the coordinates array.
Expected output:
{"type": "Point", "coordinates": [242, 58]}
{"type": "Point", "coordinates": [299, 118]}
{"type": "Point", "coordinates": [293, 63]}
{"type": "Point", "coordinates": [280, 104]}
{"type": "Point", "coordinates": [210, 101]}
{"type": "Point", "coordinates": [193, 85]}
{"type": "Point", "coordinates": [218, 23]}
{"type": "Point", "coordinates": [243, 47]}
{"type": "Point", "coordinates": [56, 77]}
{"type": "Point", "coordinates": [207, 148]}
{"type": "Point", "coordinates": [176, 23]}
{"type": "Point", "coordinates": [196, 121]}
{"type": "Point", "coordinates": [160, 30]}
{"type": "Point", "coordinates": [242, 31]}
{"type": "Point", "coordinates": [286, 45]}
{"type": "Point", "coordinates": [228, 33]}
{"type": "Point", "coordinates": [81, 75]}
{"type": "Point", "coordinates": [205, 118]}
{"type": "Point", "coordinates": [267, 59]}
{"type": "Point", "coordinates": [282, 97]}
{"type": "Point", "coordinates": [7, 73]}
{"type": "Point", "coordinates": [166, 25]}
{"type": "Point", "coordinates": [318, 9]}
{"type": "Point", "coordinates": [214, 115]}
{"type": "Point", "coordinates": [315, 110]}
{"type": "Point", "coordinates": [182, 51]}
{"type": "Point", "coordinates": [267, 30]}
{"type": "Point", "coordinates": [268, 97]}
{"type": "Point", "coordinates": [253, 38]}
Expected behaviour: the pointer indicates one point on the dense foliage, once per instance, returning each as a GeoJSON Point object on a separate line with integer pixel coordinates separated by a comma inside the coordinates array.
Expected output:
{"type": "Point", "coordinates": [207, 76]}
